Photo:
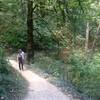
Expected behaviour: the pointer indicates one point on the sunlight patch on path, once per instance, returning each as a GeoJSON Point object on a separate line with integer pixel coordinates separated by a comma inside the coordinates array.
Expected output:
{"type": "Point", "coordinates": [39, 88]}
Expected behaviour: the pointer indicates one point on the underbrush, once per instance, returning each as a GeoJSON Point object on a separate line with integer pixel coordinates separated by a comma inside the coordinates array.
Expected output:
{"type": "Point", "coordinates": [85, 74]}
{"type": "Point", "coordinates": [49, 64]}
{"type": "Point", "coordinates": [83, 71]}
{"type": "Point", "coordinates": [11, 83]}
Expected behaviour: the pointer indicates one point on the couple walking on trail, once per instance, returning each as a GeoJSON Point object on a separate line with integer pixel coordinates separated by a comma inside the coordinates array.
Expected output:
{"type": "Point", "coordinates": [21, 59]}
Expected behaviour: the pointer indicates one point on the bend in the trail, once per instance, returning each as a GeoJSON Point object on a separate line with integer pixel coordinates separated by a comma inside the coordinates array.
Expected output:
{"type": "Point", "coordinates": [39, 88]}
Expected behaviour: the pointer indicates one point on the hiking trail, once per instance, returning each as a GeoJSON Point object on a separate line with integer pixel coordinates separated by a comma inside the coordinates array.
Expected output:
{"type": "Point", "coordinates": [38, 88]}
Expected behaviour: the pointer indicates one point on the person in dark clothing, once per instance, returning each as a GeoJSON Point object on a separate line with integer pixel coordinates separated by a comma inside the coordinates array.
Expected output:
{"type": "Point", "coordinates": [20, 60]}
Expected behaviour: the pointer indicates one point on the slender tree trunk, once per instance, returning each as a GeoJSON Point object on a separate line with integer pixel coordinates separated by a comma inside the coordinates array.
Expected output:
{"type": "Point", "coordinates": [95, 37]}
{"type": "Point", "coordinates": [62, 11]}
{"type": "Point", "coordinates": [30, 42]}
{"type": "Point", "coordinates": [87, 37]}
{"type": "Point", "coordinates": [42, 8]}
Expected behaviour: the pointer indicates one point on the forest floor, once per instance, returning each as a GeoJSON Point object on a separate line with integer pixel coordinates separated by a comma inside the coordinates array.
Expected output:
{"type": "Point", "coordinates": [38, 86]}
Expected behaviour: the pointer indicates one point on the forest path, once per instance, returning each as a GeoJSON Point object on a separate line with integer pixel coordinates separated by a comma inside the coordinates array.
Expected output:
{"type": "Point", "coordinates": [38, 88]}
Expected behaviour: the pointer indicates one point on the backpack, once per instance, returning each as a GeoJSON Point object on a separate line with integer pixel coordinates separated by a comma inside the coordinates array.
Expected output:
{"type": "Point", "coordinates": [20, 57]}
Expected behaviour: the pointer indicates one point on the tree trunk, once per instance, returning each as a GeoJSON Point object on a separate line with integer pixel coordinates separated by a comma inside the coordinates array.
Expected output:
{"type": "Point", "coordinates": [30, 42]}
{"type": "Point", "coordinates": [42, 8]}
{"type": "Point", "coordinates": [87, 37]}
{"type": "Point", "coordinates": [95, 37]}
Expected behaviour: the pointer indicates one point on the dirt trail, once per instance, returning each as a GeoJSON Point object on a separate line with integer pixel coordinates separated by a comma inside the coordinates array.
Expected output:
{"type": "Point", "coordinates": [39, 88]}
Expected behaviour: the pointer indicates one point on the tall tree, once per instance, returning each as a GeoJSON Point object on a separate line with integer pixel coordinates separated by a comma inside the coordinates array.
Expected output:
{"type": "Point", "coordinates": [30, 42]}
{"type": "Point", "coordinates": [87, 37]}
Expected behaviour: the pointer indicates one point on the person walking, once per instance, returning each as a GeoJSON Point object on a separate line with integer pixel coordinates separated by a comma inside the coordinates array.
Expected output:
{"type": "Point", "coordinates": [21, 59]}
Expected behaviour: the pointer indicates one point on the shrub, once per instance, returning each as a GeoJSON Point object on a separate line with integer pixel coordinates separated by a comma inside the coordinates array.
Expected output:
{"type": "Point", "coordinates": [86, 74]}
{"type": "Point", "coordinates": [9, 80]}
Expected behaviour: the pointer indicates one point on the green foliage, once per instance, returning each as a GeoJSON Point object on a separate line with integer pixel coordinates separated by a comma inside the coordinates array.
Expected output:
{"type": "Point", "coordinates": [42, 35]}
{"type": "Point", "coordinates": [85, 72]}
{"type": "Point", "coordinates": [81, 70]}
{"type": "Point", "coordinates": [9, 80]}
{"type": "Point", "coordinates": [3, 62]}
{"type": "Point", "coordinates": [3, 71]}
{"type": "Point", "coordinates": [57, 23]}
{"type": "Point", "coordinates": [15, 40]}
{"type": "Point", "coordinates": [12, 26]}
{"type": "Point", "coordinates": [49, 18]}
{"type": "Point", "coordinates": [48, 64]}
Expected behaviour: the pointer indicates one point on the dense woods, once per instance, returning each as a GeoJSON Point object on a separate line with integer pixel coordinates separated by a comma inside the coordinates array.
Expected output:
{"type": "Point", "coordinates": [68, 31]}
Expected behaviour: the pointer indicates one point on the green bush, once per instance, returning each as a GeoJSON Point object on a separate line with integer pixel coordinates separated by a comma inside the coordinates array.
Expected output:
{"type": "Point", "coordinates": [48, 64]}
{"type": "Point", "coordinates": [14, 40]}
{"type": "Point", "coordinates": [3, 63]}
{"type": "Point", "coordinates": [3, 71]}
{"type": "Point", "coordinates": [85, 72]}
{"type": "Point", "coordinates": [9, 80]}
